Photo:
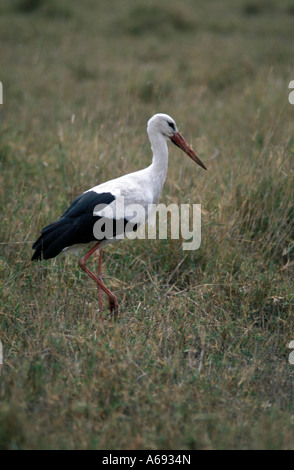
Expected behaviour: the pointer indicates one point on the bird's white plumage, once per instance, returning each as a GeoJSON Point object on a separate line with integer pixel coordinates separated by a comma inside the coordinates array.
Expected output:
{"type": "Point", "coordinates": [141, 187]}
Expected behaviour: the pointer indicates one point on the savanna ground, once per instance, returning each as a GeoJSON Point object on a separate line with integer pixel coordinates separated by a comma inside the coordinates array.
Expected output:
{"type": "Point", "coordinates": [198, 358]}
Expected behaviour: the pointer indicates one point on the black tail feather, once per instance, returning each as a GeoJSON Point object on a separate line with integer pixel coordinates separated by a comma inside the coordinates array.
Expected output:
{"type": "Point", "coordinates": [63, 233]}
{"type": "Point", "coordinates": [74, 227]}
{"type": "Point", "coordinates": [53, 239]}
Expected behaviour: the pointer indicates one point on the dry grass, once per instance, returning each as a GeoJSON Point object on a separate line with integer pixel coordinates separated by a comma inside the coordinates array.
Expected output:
{"type": "Point", "coordinates": [198, 358]}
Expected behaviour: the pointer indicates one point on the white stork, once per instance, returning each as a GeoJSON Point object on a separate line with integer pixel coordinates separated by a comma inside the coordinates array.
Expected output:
{"type": "Point", "coordinates": [74, 229]}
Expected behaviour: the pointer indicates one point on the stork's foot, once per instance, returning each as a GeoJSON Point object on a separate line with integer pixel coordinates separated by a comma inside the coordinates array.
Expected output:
{"type": "Point", "coordinates": [113, 306]}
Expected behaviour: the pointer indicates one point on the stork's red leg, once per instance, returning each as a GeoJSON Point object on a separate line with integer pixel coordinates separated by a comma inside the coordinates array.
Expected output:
{"type": "Point", "coordinates": [113, 305]}
{"type": "Point", "coordinates": [99, 277]}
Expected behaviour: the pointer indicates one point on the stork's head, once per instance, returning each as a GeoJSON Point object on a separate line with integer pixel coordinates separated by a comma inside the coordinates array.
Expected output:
{"type": "Point", "coordinates": [165, 125]}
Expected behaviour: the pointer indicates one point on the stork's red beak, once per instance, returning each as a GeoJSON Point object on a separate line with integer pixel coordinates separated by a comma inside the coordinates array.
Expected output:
{"type": "Point", "coordinates": [179, 140]}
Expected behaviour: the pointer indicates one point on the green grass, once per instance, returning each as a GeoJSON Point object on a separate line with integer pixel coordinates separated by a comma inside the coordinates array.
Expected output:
{"type": "Point", "coordinates": [198, 358]}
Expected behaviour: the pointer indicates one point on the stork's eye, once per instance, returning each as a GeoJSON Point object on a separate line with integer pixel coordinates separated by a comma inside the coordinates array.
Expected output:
{"type": "Point", "coordinates": [171, 124]}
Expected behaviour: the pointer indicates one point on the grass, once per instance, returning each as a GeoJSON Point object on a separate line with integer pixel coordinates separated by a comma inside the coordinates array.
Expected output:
{"type": "Point", "coordinates": [198, 358]}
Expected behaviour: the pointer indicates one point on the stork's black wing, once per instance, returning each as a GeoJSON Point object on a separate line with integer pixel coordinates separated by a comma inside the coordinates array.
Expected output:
{"type": "Point", "coordinates": [75, 226]}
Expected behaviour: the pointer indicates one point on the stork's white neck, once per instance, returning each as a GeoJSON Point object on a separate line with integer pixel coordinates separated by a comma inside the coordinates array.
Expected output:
{"type": "Point", "coordinates": [158, 167]}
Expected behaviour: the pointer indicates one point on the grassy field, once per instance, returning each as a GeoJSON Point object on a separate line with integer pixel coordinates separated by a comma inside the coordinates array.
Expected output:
{"type": "Point", "coordinates": [198, 358]}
